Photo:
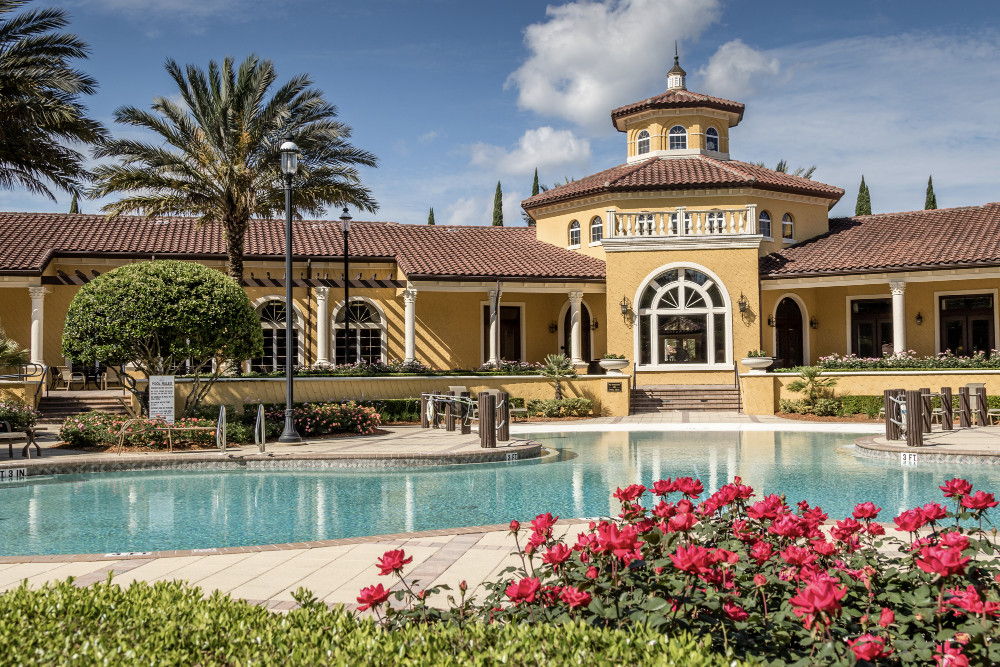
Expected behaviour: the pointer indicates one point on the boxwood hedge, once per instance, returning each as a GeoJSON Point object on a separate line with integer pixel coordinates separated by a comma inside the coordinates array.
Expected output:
{"type": "Point", "coordinates": [172, 623]}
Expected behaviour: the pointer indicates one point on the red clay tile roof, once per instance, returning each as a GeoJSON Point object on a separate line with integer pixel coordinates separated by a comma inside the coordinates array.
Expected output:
{"type": "Point", "coordinates": [942, 238]}
{"type": "Point", "coordinates": [678, 98]}
{"type": "Point", "coordinates": [698, 171]}
{"type": "Point", "coordinates": [30, 240]}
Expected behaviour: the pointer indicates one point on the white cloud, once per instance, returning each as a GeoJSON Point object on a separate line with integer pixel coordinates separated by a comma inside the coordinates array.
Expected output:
{"type": "Point", "coordinates": [895, 108]}
{"type": "Point", "coordinates": [479, 210]}
{"type": "Point", "coordinates": [428, 137]}
{"type": "Point", "coordinates": [589, 57]}
{"type": "Point", "coordinates": [543, 148]}
{"type": "Point", "coordinates": [735, 68]}
{"type": "Point", "coordinates": [173, 8]}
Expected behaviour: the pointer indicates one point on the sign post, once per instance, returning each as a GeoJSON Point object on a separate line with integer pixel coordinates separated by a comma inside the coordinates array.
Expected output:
{"type": "Point", "coordinates": [161, 397]}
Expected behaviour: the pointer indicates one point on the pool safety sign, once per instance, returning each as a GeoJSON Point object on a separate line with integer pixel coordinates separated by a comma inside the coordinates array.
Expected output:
{"type": "Point", "coordinates": [13, 474]}
{"type": "Point", "coordinates": [161, 397]}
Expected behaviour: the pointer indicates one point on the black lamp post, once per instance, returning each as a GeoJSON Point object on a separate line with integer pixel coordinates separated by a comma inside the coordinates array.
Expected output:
{"type": "Point", "coordinates": [289, 165]}
{"type": "Point", "coordinates": [345, 227]}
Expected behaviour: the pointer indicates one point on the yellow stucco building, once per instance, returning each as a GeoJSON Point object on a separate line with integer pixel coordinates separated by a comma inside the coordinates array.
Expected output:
{"type": "Point", "coordinates": [681, 259]}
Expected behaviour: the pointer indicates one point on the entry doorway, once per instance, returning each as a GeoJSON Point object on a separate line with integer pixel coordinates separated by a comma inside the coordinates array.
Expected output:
{"type": "Point", "coordinates": [585, 342]}
{"type": "Point", "coordinates": [871, 327]}
{"type": "Point", "coordinates": [511, 348]}
{"type": "Point", "coordinates": [790, 334]}
{"type": "Point", "coordinates": [967, 324]}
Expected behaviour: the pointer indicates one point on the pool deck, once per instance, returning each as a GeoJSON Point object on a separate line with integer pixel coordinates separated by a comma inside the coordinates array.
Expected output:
{"type": "Point", "coordinates": [979, 445]}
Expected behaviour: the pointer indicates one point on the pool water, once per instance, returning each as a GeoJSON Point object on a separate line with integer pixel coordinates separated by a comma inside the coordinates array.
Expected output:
{"type": "Point", "coordinates": [171, 509]}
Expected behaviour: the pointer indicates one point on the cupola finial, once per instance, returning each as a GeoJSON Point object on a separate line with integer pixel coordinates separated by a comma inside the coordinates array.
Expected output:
{"type": "Point", "coordinates": [676, 75]}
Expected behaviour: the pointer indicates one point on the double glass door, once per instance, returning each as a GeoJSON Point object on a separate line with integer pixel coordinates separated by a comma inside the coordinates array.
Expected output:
{"type": "Point", "coordinates": [967, 324]}
{"type": "Point", "coordinates": [871, 327]}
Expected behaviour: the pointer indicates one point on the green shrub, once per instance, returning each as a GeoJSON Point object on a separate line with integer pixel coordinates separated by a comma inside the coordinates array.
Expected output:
{"type": "Point", "coordinates": [170, 623]}
{"type": "Point", "coordinates": [853, 405]}
{"type": "Point", "coordinates": [562, 407]}
{"type": "Point", "coordinates": [18, 415]}
{"type": "Point", "coordinates": [826, 407]}
{"type": "Point", "coordinates": [793, 407]}
{"type": "Point", "coordinates": [103, 429]}
{"type": "Point", "coordinates": [396, 409]}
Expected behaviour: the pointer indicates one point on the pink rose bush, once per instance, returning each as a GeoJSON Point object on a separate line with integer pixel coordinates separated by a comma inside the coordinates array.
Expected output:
{"type": "Point", "coordinates": [764, 579]}
{"type": "Point", "coordinates": [317, 419]}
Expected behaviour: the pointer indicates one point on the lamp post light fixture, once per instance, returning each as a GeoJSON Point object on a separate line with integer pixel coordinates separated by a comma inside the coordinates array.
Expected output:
{"type": "Point", "coordinates": [345, 227]}
{"type": "Point", "coordinates": [289, 165]}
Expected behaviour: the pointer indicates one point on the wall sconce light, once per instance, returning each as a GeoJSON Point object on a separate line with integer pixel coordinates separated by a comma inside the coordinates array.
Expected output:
{"type": "Point", "coordinates": [770, 320]}
{"type": "Point", "coordinates": [624, 306]}
{"type": "Point", "coordinates": [743, 303]}
{"type": "Point", "coordinates": [553, 327]}
{"type": "Point", "coordinates": [813, 323]}
{"type": "Point", "coordinates": [919, 319]}
{"type": "Point", "coordinates": [594, 325]}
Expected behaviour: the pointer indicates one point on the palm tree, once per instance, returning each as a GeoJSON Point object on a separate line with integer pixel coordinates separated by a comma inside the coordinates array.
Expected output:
{"type": "Point", "coordinates": [782, 166]}
{"type": "Point", "coordinates": [39, 102]}
{"type": "Point", "coordinates": [216, 155]}
{"type": "Point", "coordinates": [557, 368]}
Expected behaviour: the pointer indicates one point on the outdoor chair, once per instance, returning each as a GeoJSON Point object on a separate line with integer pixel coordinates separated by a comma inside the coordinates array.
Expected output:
{"type": "Point", "coordinates": [70, 376]}
{"type": "Point", "coordinates": [111, 377]}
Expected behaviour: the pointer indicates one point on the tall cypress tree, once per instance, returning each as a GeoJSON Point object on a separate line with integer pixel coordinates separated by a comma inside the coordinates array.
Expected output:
{"type": "Point", "coordinates": [498, 207]}
{"type": "Point", "coordinates": [864, 205]}
{"type": "Point", "coordinates": [74, 204]}
{"type": "Point", "coordinates": [930, 199]}
{"type": "Point", "coordinates": [534, 184]}
{"type": "Point", "coordinates": [430, 217]}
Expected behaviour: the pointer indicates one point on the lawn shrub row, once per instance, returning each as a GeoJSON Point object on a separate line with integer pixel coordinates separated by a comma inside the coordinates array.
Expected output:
{"type": "Point", "coordinates": [103, 429]}
{"type": "Point", "coordinates": [170, 623]}
{"type": "Point", "coordinates": [560, 407]}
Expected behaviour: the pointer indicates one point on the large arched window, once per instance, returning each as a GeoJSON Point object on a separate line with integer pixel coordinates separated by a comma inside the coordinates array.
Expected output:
{"type": "Point", "coordinates": [574, 232]}
{"type": "Point", "coordinates": [683, 320]}
{"type": "Point", "coordinates": [596, 229]}
{"type": "Point", "coordinates": [787, 227]}
{"type": "Point", "coordinates": [712, 139]}
{"type": "Point", "coordinates": [764, 224]}
{"type": "Point", "coordinates": [642, 143]}
{"type": "Point", "coordinates": [272, 324]}
{"type": "Point", "coordinates": [365, 340]}
{"type": "Point", "coordinates": [678, 137]}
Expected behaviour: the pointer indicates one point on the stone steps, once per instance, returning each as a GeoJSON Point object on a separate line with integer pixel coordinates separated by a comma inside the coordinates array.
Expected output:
{"type": "Point", "coordinates": [665, 398]}
{"type": "Point", "coordinates": [55, 408]}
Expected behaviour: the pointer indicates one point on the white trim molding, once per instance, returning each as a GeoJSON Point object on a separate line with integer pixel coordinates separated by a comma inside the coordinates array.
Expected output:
{"type": "Point", "coordinates": [692, 242]}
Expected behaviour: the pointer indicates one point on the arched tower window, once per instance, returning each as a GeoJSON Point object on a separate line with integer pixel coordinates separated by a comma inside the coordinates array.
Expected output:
{"type": "Point", "coordinates": [712, 139]}
{"type": "Point", "coordinates": [678, 137]}
{"type": "Point", "coordinates": [764, 223]}
{"type": "Point", "coordinates": [683, 319]}
{"type": "Point", "coordinates": [574, 232]}
{"type": "Point", "coordinates": [642, 142]}
{"type": "Point", "coordinates": [787, 226]}
{"type": "Point", "coordinates": [272, 324]}
{"type": "Point", "coordinates": [365, 342]}
{"type": "Point", "coordinates": [596, 229]}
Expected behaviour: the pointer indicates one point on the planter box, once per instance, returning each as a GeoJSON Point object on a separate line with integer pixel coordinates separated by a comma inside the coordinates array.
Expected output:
{"type": "Point", "coordinates": [613, 366]}
{"type": "Point", "coordinates": [757, 363]}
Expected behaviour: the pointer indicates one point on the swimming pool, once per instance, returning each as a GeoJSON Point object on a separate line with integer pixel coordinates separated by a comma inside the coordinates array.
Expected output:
{"type": "Point", "coordinates": [177, 509]}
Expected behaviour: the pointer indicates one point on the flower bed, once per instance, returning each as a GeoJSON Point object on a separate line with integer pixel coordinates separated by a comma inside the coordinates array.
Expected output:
{"type": "Point", "coordinates": [909, 361]}
{"type": "Point", "coordinates": [400, 369]}
{"type": "Point", "coordinates": [762, 579]}
{"type": "Point", "coordinates": [315, 419]}
{"type": "Point", "coordinates": [18, 415]}
{"type": "Point", "coordinates": [102, 429]}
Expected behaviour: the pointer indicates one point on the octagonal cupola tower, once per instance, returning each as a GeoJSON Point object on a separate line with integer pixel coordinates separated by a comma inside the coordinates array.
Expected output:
{"type": "Point", "coordinates": [677, 123]}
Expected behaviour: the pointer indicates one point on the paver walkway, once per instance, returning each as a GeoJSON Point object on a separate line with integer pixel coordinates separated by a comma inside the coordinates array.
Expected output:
{"type": "Point", "coordinates": [335, 574]}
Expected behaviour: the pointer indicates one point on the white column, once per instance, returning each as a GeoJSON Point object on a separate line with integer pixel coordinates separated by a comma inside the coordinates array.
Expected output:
{"type": "Point", "coordinates": [37, 323]}
{"type": "Point", "coordinates": [575, 324]}
{"type": "Point", "coordinates": [410, 325]}
{"type": "Point", "coordinates": [898, 289]}
{"type": "Point", "coordinates": [322, 326]}
{"type": "Point", "coordinates": [494, 328]}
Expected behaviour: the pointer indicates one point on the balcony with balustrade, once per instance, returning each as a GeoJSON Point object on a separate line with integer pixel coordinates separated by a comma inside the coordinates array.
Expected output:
{"type": "Point", "coordinates": [720, 227]}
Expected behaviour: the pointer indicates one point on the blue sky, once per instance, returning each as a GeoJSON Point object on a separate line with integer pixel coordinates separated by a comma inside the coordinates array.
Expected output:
{"type": "Point", "coordinates": [453, 95]}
